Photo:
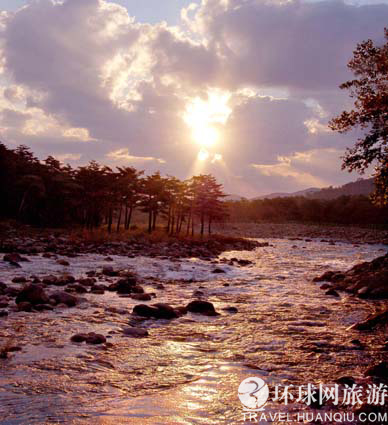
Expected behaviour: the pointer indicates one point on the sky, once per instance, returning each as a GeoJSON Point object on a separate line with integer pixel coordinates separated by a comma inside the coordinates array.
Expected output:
{"type": "Point", "coordinates": [241, 89]}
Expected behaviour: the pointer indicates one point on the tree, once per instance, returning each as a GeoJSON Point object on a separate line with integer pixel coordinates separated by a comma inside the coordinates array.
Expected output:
{"type": "Point", "coordinates": [370, 114]}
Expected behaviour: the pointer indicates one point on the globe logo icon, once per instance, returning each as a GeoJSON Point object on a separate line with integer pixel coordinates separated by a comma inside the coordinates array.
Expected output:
{"type": "Point", "coordinates": [253, 393]}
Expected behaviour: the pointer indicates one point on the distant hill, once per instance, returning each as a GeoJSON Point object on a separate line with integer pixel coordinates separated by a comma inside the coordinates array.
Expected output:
{"type": "Point", "coordinates": [359, 187]}
{"type": "Point", "coordinates": [305, 192]}
{"type": "Point", "coordinates": [232, 197]}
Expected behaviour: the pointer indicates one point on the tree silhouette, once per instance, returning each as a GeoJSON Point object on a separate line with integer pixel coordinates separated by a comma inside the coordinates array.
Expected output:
{"type": "Point", "coordinates": [370, 91]}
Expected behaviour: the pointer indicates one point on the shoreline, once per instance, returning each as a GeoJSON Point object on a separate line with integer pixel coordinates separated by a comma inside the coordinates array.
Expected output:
{"type": "Point", "coordinates": [295, 231]}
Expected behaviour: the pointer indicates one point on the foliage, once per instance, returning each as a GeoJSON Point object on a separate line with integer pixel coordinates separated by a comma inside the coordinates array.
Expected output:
{"type": "Point", "coordinates": [344, 210]}
{"type": "Point", "coordinates": [370, 113]}
{"type": "Point", "coordinates": [47, 193]}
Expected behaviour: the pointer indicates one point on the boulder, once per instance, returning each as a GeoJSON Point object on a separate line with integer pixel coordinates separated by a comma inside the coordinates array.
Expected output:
{"type": "Point", "coordinates": [25, 306]}
{"type": "Point", "coordinates": [33, 294]}
{"type": "Point", "coordinates": [378, 371]}
{"type": "Point", "coordinates": [63, 263]}
{"type": "Point", "coordinates": [109, 271]}
{"type": "Point", "coordinates": [135, 332]}
{"type": "Point", "coordinates": [88, 281]}
{"type": "Point", "coordinates": [218, 270]}
{"type": "Point", "coordinates": [127, 285]}
{"type": "Point", "coordinates": [372, 322]}
{"type": "Point", "coordinates": [89, 338]}
{"type": "Point", "coordinates": [19, 279]}
{"type": "Point", "coordinates": [332, 292]}
{"type": "Point", "coordinates": [144, 310]}
{"type": "Point", "coordinates": [202, 307]}
{"type": "Point", "coordinates": [141, 297]}
{"type": "Point", "coordinates": [62, 297]}
{"type": "Point", "coordinates": [165, 311]}
{"type": "Point", "coordinates": [14, 258]}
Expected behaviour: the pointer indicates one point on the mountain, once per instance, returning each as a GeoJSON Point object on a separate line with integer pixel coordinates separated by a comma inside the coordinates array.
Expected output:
{"type": "Point", "coordinates": [305, 192]}
{"type": "Point", "coordinates": [359, 187]}
{"type": "Point", "coordinates": [233, 197]}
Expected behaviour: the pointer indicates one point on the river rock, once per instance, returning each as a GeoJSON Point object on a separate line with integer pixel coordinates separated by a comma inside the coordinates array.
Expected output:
{"type": "Point", "coordinates": [202, 307]}
{"type": "Point", "coordinates": [109, 271]}
{"type": "Point", "coordinates": [127, 285]}
{"type": "Point", "coordinates": [89, 338]}
{"type": "Point", "coordinates": [373, 321]}
{"type": "Point", "coordinates": [165, 311]}
{"type": "Point", "coordinates": [144, 310]}
{"type": "Point", "coordinates": [62, 297]}
{"type": "Point", "coordinates": [33, 294]}
{"type": "Point", "coordinates": [379, 371]}
{"type": "Point", "coordinates": [25, 306]}
{"type": "Point", "coordinates": [218, 270]}
{"type": "Point", "coordinates": [87, 281]}
{"type": "Point", "coordinates": [135, 332]}
{"type": "Point", "coordinates": [19, 279]}
{"type": "Point", "coordinates": [332, 292]}
{"type": "Point", "coordinates": [141, 297]}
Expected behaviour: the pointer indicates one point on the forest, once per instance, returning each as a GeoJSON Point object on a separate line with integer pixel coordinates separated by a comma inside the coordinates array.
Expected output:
{"type": "Point", "coordinates": [344, 210]}
{"type": "Point", "coordinates": [50, 194]}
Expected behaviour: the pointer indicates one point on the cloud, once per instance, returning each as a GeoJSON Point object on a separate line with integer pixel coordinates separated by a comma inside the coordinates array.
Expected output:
{"type": "Point", "coordinates": [84, 79]}
{"type": "Point", "coordinates": [122, 155]}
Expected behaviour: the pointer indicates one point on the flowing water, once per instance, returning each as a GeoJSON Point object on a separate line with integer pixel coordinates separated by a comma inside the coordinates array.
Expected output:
{"type": "Point", "coordinates": [286, 331]}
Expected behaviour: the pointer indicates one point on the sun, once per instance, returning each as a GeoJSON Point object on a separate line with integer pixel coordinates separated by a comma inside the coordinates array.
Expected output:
{"type": "Point", "coordinates": [205, 117]}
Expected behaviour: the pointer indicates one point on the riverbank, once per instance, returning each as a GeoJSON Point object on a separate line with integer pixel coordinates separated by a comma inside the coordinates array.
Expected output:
{"type": "Point", "coordinates": [353, 235]}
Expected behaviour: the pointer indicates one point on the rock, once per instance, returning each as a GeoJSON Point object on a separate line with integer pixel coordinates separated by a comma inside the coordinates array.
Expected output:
{"type": "Point", "coordinates": [63, 263]}
{"type": "Point", "coordinates": [19, 279]}
{"type": "Point", "coordinates": [346, 380]}
{"type": "Point", "coordinates": [141, 297]}
{"type": "Point", "coordinates": [95, 339]}
{"type": "Point", "coordinates": [3, 287]}
{"type": "Point", "coordinates": [98, 289]}
{"type": "Point", "coordinates": [3, 313]}
{"type": "Point", "coordinates": [14, 258]}
{"type": "Point", "coordinates": [373, 321]}
{"type": "Point", "coordinates": [157, 311]}
{"type": "Point", "coordinates": [165, 311]}
{"type": "Point", "coordinates": [74, 287]}
{"type": "Point", "coordinates": [79, 337]}
{"type": "Point", "coordinates": [144, 310]}
{"type": "Point", "coordinates": [127, 285]}
{"type": "Point", "coordinates": [135, 332]}
{"type": "Point", "coordinates": [160, 286]}
{"type": "Point", "coordinates": [62, 297]}
{"type": "Point", "coordinates": [218, 270]}
{"type": "Point", "coordinates": [109, 271]}
{"type": "Point", "coordinates": [89, 338]}
{"type": "Point", "coordinates": [25, 306]}
{"type": "Point", "coordinates": [88, 281]}
{"type": "Point", "coordinates": [231, 310]}
{"type": "Point", "coordinates": [43, 307]}
{"type": "Point", "coordinates": [326, 286]}
{"type": "Point", "coordinates": [50, 280]}
{"type": "Point", "coordinates": [332, 292]}
{"type": "Point", "coordinates": [244, 262]}
{"type": "Point", "coordinates": [202, 307]}
{"type": "Point", "coordinates": [33, 294]}
{"type": "Point", "coordinates": [379, 371]}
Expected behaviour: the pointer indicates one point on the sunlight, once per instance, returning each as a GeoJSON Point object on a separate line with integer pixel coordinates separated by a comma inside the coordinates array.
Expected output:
{"type": "Point", "coordinates": [204, 117]}
{"type": "Point", "coordinates": [203, 155]}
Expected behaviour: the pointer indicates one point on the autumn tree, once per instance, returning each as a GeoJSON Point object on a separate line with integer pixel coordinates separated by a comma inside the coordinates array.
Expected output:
{"type": "Point", "coordinates": [369, 89]}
